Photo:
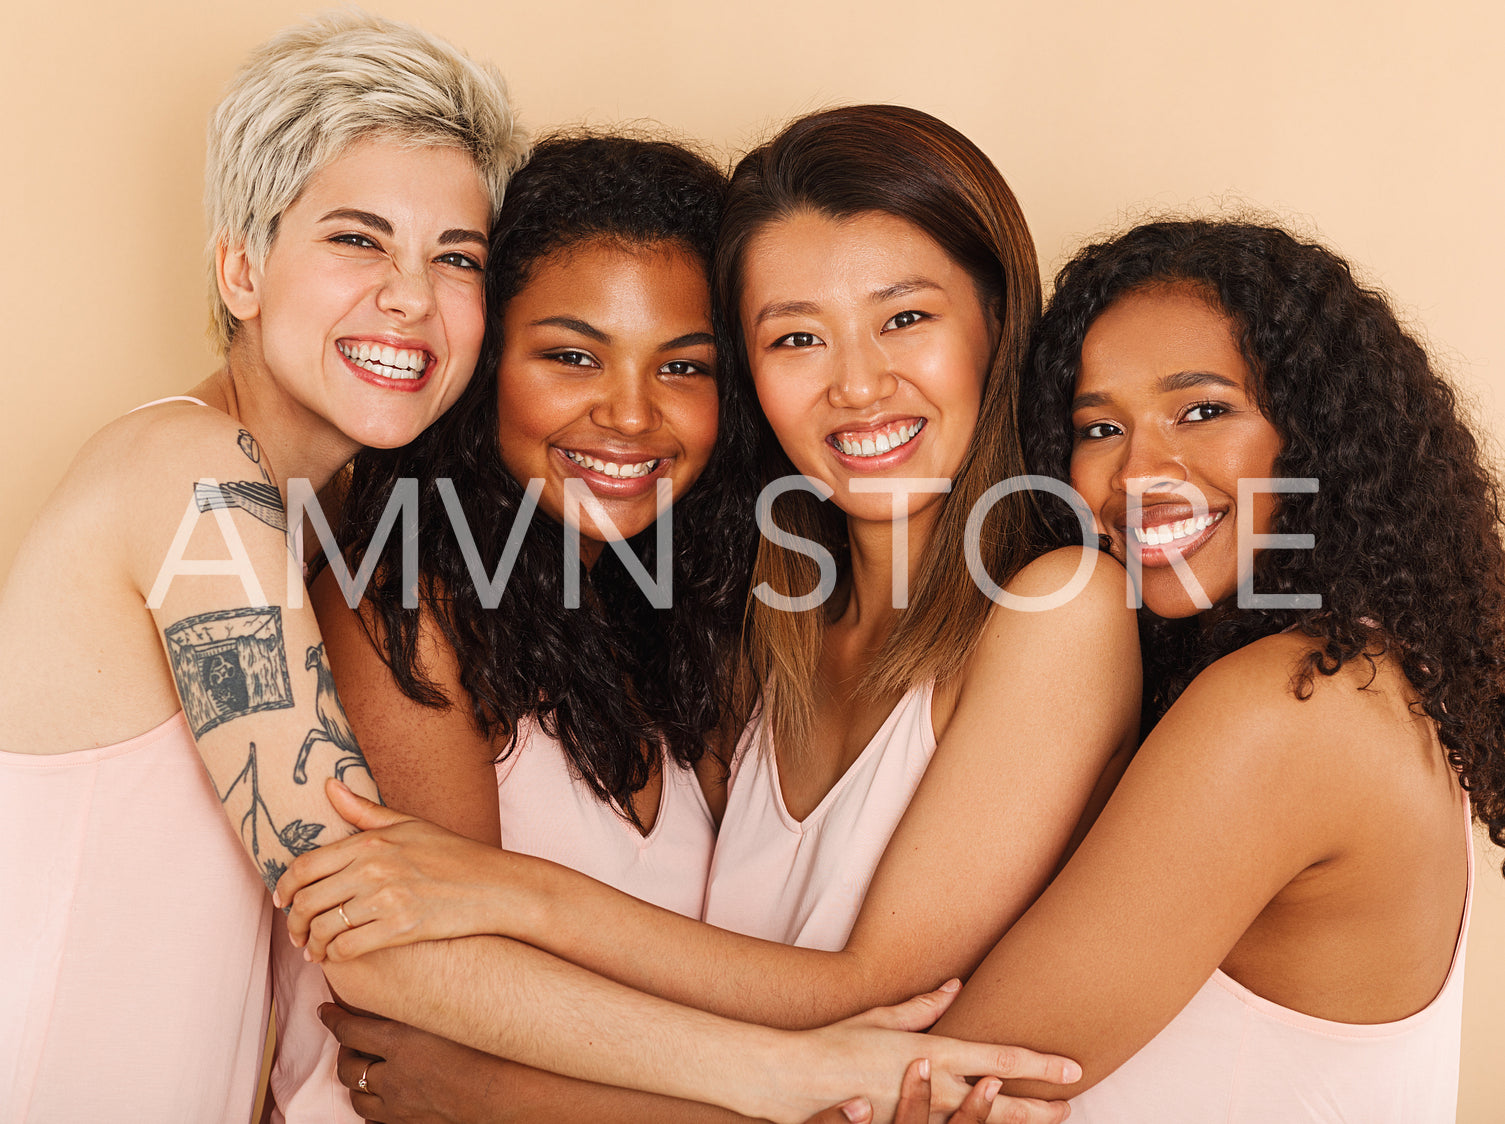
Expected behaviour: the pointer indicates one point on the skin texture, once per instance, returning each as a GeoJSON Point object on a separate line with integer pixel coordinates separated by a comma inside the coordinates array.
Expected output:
{"type": "Point", "coordinates": [1167, 425]}
{"type": "Point", "coordinates": [854, 327]}
{"type": "Point", "coordinates": [608, 353]}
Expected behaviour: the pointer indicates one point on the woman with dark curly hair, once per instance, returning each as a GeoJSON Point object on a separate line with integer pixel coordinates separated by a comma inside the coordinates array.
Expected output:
{"type": "Point", "coordinates": [1268, 920]}
{"type": "Point", "coordinates": [497, 690]}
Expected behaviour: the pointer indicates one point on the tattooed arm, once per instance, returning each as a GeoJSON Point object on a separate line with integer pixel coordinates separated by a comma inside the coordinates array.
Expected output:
{"type": "Point", "coordinates": [208, 552]}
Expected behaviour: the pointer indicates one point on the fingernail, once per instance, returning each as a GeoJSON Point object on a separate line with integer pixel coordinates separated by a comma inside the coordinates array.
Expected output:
{"type": "Point", "coordinates": [858, 1111]}
{"type": "Point", "coordinates": [951, 985]}
{"type": "Point", "coordinates": [990, 1089]}
{"type": "Point", "coordinates": [308, 955]}
{"type": "Point", "coordinates": [924, 1068]}
{"type": "Point", "coordinates": [325, 1009]}
{"type": "Point", "coordinates": [1071, 1072]}
{"type": "Point", "coordinates": [276, 899]}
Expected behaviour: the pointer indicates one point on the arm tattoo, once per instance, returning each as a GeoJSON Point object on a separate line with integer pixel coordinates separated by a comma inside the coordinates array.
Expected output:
{"type": "Point", "coordinates": [296, 837]}
{"type": "Point", "coordinates": [333, 729]}
{"type": "Point", "coordinates": [252, 451]}
{"type": "Point", "coordinates": [229, 663]}
{"type": "Point", "coordinates": [254, 497]}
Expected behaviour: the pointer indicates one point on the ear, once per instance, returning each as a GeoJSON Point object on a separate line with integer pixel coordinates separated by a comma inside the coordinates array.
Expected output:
{"type": "Point", "coordinates": [237, 280]}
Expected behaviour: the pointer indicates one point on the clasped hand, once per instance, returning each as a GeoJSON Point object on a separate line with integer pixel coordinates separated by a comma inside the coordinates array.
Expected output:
{"type": "Point", "coordinates": [399, 881]}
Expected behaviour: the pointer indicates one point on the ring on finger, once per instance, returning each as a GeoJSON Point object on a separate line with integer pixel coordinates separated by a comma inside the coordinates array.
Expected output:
{"type": "Point", "coordinates": [361, 1084]}
{"type": "Point", "coordinates": [340, 909]}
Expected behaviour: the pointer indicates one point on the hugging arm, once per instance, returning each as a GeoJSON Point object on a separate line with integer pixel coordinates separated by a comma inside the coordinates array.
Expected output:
{"type": "Point", "coordinates": [1047, 699]}
{"type": "Point", "coordinates": [1224, 804]}
{"type": "Point", "coordinates": [206, 549]}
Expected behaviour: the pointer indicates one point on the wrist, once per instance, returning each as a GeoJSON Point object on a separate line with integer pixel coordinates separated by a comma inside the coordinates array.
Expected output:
{"type": "Point", "coordinates": [518, 907]}
{"type": "Point", "coordinates": [763, 1072]}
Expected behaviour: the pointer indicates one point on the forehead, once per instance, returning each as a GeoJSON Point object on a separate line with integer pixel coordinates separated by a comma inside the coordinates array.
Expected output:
{"type": "Point", "coordinates": [647, 285]}
{"type": "Point", "coordinates": [423, 183]}
{"type": "Point", "coordinates": [813, 250]}
{"type": "Point", "coordinates": [1147, 335]}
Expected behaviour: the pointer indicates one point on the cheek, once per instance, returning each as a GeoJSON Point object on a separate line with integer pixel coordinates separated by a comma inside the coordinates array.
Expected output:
{"type": "Point", "coordinates": [696, 424]}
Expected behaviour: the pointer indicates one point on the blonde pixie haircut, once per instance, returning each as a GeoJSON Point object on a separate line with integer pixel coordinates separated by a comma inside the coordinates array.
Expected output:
{"type": "Point", "coordinates": [310, 91]}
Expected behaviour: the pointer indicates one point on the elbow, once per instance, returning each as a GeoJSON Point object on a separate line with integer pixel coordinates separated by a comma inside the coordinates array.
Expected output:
{"type": "Point", "coordinates": [364, 984]}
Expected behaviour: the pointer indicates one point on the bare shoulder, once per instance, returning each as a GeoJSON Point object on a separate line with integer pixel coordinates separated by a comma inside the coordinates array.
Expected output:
{"type": "Point", "coordinates": [1071, 649]}
{"type": "Point", "coordinates": [1268, 678]}
{"type": "Point", "coordinates": [1254, 710]}
{"type": "Point", "coordinates": [171, 438]}
{"type": "Point", "coordinates": [1072, 596]}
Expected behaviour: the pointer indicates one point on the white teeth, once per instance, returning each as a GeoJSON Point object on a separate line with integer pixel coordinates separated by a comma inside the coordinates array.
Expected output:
{"type": "Point", "coordinates": [611, 468]}
{"type": "Point", "coordinates": [1170, 532]}
{"type": "Point", "coordinates": [885, 442]}
{"type": "Point", "coordinates": [388, 362]}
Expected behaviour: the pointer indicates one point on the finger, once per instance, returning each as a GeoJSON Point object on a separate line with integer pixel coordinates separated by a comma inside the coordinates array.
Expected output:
{"type": "Point", "coordinates": [327, 926]}
{"type": "Point", "coordinates": [361, 939]}
{"type": "Point", "coordinates": [357, 1033]}
{"type": "Point", "coordinates": [310, 867]}
{"type": "Point", "coordinates": [913, 1014]}
{"type": "Point", "coordinates": [370, 1108]}
{"type": "Point", "coordinates": [1022, 1110]}
{"type": "Point", "coordinates": [977, 1103]}
{"type": "Point", "coordinates": [854, 1111]}
{"type": "Point", "coordinates": [914, 1094]}
{"type": "Point", "coordinates": [350, 1068]}
{"type": "Point", "coordinates": [974, 1059]}
{"type": "Point", "coordinates": [321, 897]}
{"type": "Point", "coordinates": [359, 812]}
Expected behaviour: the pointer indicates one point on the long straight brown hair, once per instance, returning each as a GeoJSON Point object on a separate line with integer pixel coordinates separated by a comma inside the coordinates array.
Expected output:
{"type": "Point", "coordinates": [902, 162]}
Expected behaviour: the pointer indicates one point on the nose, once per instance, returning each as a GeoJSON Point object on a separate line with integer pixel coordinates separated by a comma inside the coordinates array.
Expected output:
{"type": "Point", "coordinates": [407, 294]}
{"type": "Point", "coordinates": [863, 375]}
{"type": "Point", "coordinates": [628, 403]}
{"type": "Point", "coordinates": [1150, 463]}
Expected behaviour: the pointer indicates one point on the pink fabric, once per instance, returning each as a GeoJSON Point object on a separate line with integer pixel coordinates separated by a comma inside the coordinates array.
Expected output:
{"type": "Point", "coordinates": [133, 938]}
{"type": "Point", "coordinates": [545, 811]}
{"type": "Point", "coordinates": [548, 812]}
{"type": "Point", "coordinates": [802, 882]}
{"type": "Point", "coordinates": [1231, 1057]}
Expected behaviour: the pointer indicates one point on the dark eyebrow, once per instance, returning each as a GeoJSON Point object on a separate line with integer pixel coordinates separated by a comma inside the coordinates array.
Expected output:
{"type": "Point", "coordinates": [1190, 380]}
{"type": "Point", "coordinates": [569, 323]}
{"type": "Point", "coordinates": [1180, 380]}
{"type": "Point", "coordinates": [785, 308]}
{"type": "Point", "coordinates": [902, 289]}
{"type": "Point", "coordinates": [365, 218]}
{"type": "Point", "coordinates": [1089, 401]}
{"type": "Point", "coordinates": [453, 237]}
{"type": "Point", "coordinates": [690, 339]}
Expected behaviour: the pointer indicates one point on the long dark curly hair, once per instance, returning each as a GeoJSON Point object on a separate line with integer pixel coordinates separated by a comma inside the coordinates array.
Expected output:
{"type": "Point", "coordinates": [615, 675]}
{"type": "Point", "coordinates": [1408, 554]}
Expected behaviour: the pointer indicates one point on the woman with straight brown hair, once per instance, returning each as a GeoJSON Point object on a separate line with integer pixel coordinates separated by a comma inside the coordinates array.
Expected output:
{"type": "Point", "coordinates": [882, 287]}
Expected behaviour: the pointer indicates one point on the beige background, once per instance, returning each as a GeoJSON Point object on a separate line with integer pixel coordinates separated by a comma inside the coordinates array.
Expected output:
{"type": "Point", "coordinates": [1376, 125]}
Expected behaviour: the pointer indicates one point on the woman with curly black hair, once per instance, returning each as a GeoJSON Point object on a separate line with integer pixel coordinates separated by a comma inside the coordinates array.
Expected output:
{"type": "Point", "coordinates": [1268, 920]}
{"type": "Point", "coordinates": [516, 699]}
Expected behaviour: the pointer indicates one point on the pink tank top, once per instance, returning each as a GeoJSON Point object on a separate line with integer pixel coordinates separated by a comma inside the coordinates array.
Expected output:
{"type": "Point", "coordinates": [802, 882]}
{"type": "Point", "coordinates": [1235, 1058]}
{"type": "Point", "coordinates": [133, 938]}
{"type": "Point", "coordinates": [545, 811]}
